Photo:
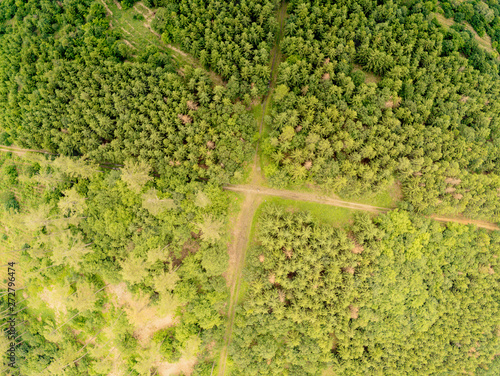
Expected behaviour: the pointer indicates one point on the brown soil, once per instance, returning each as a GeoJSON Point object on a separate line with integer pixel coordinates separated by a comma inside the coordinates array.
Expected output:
{"type": "Point", "coordinates": [353, 311]}
{"type": "Point", "coordinates": [141, 315]}
{"type": "Point", "coordinates": [184, 366]}
{"type": "Point", "coordinates": [466, 221]}
{"type": "Point", "coordinates": [304, 196]}
{"type": "Point", "coordinates": [118, 5]}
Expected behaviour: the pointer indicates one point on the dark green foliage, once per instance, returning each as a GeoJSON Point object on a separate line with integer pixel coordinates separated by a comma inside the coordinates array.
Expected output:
{"type": "Point", "coordinates": [5, 139]}
{"type": "Point", "coordinates": [233, 38]}
{"type": "Point", "coordinates": [483, 16]}
{"type": "Point", "coordinates": [430, 115]}
{"type": "Point", "coordinates": [8, 200]}
{"type": "Point", "coordinates": [74, 96]}
{"type": "Point", "coordinates": [126, 4]}
{"type": "Point", "coordinates": [10, 174]}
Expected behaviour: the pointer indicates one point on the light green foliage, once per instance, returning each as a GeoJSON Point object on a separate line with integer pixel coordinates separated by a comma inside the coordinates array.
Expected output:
{"type": "Point", "coordinates": [136, 175]}
{"type": "Point", "coordinates": [72, 203]}
{"type": "Point", "coordinates": [80, 238]}
{"type": "Point", "coordinates": [395, 294]}
{"type": "Point", "coordinates": [210, 228]}
{"type": "Point", "coordinates": [154, 205]}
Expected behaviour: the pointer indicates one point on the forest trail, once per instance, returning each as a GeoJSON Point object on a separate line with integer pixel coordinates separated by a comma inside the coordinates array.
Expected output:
{"type": "Point", "coordinates": [312, 197]}
{"type": "Point", "coordinates": [241, 231]}
{"type": "Point", "coordinates": [21, 151]}
{"type": "Point", "coordinates": [304, 196]}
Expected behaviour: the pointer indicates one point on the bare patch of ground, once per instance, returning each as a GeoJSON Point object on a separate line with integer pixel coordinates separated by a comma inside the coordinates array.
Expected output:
{"type": "Point", "coordinates": [55, 298]}
{"type": "Point", "coordinates": [118, 5]}
{"type": "Point", "coordinates": [184, 366]}
{"type": "Point", "coordinates": [142, 316]}
{"type": "Point", "coordinates": [369, 77]}
{"type": "Point", "coordinates": [466, 221]}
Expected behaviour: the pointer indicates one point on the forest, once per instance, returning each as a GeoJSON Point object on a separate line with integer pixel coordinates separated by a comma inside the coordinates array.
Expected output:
{"type": "Point", "coordinates": [379, 298]}
{"type": "Point", "coordinates": [369, 93]}
{"type": "Point", "coordinates": [70, 90]}
{"type": "Point", "coordinates": [234, 38]}
{"type": "Point", "coordinates": [110, 258]}
{"type": "Point", "coordinates": [124, 124]}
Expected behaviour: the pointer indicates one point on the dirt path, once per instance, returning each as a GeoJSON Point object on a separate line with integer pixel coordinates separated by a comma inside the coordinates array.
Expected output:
{"type": "Point", "coordinates": [237, 251]}
{"type": "Point", "coordinates": [466, 221]}
{"type": "Point", "coordinates": [243, 224]}
{"type": "Point", "coordinates": [312, 197]}
{"type": "Point", "coordinates": [21, 151]}
{"type": "Point", "coordinates": [108, 11]}
{"type": "Point", "coordinates": [304, 196]}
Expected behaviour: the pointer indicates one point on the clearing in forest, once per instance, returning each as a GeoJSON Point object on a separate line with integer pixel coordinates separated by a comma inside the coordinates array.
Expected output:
{"type": "Point", "coordinates": [484, 42]}
{"type": "Point", "coordinates": [137, 33]}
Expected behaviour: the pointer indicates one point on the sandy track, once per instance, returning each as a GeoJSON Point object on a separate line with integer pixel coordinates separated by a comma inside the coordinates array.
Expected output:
{"type": "Point", "coordinates": [237, 251]}
{"type": "Point", "coordinates": [304, 196]}
{"type": "Point", "coordinates": [466, 221]}
{"type": "Point", "coordinates": [311, 197]}
{"type": "Point", "coordinates": [243, 224]}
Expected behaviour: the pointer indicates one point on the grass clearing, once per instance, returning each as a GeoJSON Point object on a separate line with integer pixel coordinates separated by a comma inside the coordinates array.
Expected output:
{"type": "Point", "coordinates": [134, 25]}
{"type": "Point", "coordinates": [369, 77]}
{"type": "Point", "coordinates": [484, 42]}
{"type": "Point", "coordinates": [328, 372]}
{"type": "Point", "coordinates": [387, 198]}
{"type": "Point", "coordinates": [326, 214]}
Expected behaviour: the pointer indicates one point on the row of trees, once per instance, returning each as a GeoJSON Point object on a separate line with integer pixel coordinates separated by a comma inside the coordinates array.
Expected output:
{"type": "Point", "coordinates": [371, 91]}
{"type": "Point", "coordinates": [101, 255]}
{"type": "Point", "coordinates": [232, 38]}
{"type": "Point", "coordinates": [380, 299]}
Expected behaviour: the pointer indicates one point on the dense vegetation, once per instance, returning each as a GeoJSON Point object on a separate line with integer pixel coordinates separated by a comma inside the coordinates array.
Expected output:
{"type": "Point", "coordinates": [119, 272]}
{"type": "Point", "coordinates": [396, 295]}
{"type": "Point", "coordinates": [431, 118]}
{"type": "Point", "coordinates": [65, 88]}
{"type": "Point", "coordinates": [120, 232]}
{"type": "Point", "coordinates": [233, 38]}
{"type": "Point", "coordinates": [483, 16]}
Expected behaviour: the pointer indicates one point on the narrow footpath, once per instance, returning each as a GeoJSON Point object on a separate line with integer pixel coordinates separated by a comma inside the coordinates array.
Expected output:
{"type": "Point", "coordinates": [243, 224]}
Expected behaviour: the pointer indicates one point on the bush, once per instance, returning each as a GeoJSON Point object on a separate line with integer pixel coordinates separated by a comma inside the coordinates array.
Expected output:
{"type": "Point", "coordinates": [9, 201]}
{"type": "Point", "coordinates": [127, 4]}
{"type": "Point", "coordinates": [5, 139]}
{"type": "Point", "coordinates": [10, 172]}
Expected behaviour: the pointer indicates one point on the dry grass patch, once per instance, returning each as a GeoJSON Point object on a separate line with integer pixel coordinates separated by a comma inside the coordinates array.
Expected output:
{"type": "Point", "coordinates": [144, 317]}
{"type": "Point", "coordinates": [55, 298]}
{"type": "Point", "coordinates": [353, 311]}
{"type": "Point", "coordinates": [184, 366]}
{"type": "Point", "coordinates": [369, 77]}
{"type": "Point", "coordinates": [452, 181]}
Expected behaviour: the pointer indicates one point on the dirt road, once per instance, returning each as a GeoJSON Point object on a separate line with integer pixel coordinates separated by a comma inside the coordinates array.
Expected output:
{"type": "Point", "coordinates": [243, 224]}
{"type": "Point", "coordinates": [312, 197]}
{"type": "Point", "coordinates": [237, 251]}
{"type": "Point", "coordinates": [304, 196]}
